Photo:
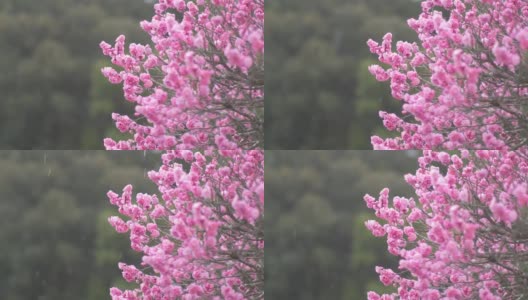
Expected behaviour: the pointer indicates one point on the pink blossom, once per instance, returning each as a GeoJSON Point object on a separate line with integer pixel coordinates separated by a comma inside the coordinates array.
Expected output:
{"type": "Point", "coordinates": [502, 213]}
{"type": "Point", "coordinates": [381, 75]}
{"type": "Point", "coordinates": [464, 226]}
{"type": "Point", "coordinates": [450, 98]}
{"type": "Point", "coordinates": [505, 57]}
{"type": "Point", "coordinates": [213, 212]}
{"type": "Point", "coordinates": [521, 193]}
{"type": "Point", "coordinates": [375, 228]}
{"type": "Point", "coordinates": [387, 277]}
{"type": "Point", "coordinates": [207, 61]}
{"type": "Point", "coordinates": [522, 37]}
{"type": "Point", "coordinates": [112, 75]}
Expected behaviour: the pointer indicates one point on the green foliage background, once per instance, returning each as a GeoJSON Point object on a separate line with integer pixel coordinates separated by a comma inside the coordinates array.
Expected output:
{"type": "Point", "coordinates": [53, 94]}
{"type": "Point", "coordinates": [56, 242]}
{"type": "Point", "coordinates": [319, 93]}
{"type": "Point", "coordinates": [317, 246]}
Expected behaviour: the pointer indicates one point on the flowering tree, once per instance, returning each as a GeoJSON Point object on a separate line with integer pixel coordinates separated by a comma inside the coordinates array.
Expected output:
{"type": "Point", "coordinates": [465, 84]}
{"type": "Point", "coordinates": [204, 238]}
{"type": "Point", "coordinates": [198, 93]}
{"type": "Point", "coordinates": [466, 236]}
{"type": "Point", "coordinates": [200, 86]}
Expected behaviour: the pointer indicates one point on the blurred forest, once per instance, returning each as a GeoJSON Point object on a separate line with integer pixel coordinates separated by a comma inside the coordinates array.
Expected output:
{"type": "Point", "coordinates": [317, 246]}
{"type": "Point", "coordinates": [53, 94]}
{"type": "Point", "coordinates": [55, 240]}
{"type": "Point", "coordinates": [319, 93]}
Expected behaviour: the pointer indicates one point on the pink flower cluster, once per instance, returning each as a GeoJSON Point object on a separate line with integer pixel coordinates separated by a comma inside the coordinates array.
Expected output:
{"type": "Point", "coordinates": [203, 238]}
{"type": "Point", "coordinates": [465, 84]}
{"type": "Point", "coordinates": [200, 86]}
{"type": "Point", "coordinates": [465, 236]}
{"type": "Point", "coordinates": [198, 93]}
